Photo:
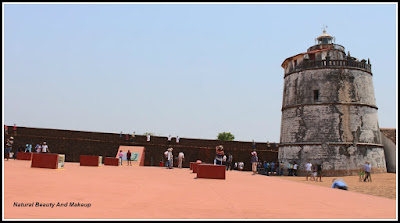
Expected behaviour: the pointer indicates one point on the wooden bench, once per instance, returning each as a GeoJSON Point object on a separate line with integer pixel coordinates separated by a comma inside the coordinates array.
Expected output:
{"type": "Point", "coordinates": [89, 160]}
{"type": "Point", "coordinates": [211, 171]}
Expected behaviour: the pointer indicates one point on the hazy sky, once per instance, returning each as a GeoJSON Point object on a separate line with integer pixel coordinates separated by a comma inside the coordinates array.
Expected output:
{"type": "Point", "coordinates": [192, 70]}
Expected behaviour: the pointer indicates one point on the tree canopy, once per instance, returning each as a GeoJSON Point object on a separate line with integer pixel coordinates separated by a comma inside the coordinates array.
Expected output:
{"type": "Point", "coordinates": [225, 136]}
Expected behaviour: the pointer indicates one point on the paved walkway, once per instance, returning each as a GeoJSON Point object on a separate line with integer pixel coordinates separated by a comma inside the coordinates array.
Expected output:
{"type": "Point", "coordinates": [158, 193]}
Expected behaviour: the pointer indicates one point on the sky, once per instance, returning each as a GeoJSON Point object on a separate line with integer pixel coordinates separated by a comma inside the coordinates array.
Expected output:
{"type": "Point", "coordinates": [188, 70]}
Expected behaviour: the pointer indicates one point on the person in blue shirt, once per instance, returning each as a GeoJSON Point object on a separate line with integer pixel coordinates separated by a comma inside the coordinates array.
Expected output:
{"type": "Point", "coordinates": [339, 184]}
{"type": "Point", "coordinates": [28, 148]}
{"type": "Point", "coordinates": [367, 170]}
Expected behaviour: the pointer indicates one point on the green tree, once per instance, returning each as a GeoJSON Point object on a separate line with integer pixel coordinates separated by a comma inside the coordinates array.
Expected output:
{"type": "Point", "coordinates": [225, 136]}
{"type": "Point", "coordinates": [149, 133]}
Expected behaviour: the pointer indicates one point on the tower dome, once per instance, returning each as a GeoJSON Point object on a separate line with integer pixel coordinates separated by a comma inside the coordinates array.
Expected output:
{"type": "Point", "coordinates": [324, 38]}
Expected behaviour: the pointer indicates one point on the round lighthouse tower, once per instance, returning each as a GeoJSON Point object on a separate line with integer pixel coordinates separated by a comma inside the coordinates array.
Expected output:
{"type": "Point", "coordinates": [329, 114]}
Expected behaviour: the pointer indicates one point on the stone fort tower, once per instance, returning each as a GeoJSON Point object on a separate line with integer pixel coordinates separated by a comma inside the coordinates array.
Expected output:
{"type": "Point", "coordinates": [329, 114]}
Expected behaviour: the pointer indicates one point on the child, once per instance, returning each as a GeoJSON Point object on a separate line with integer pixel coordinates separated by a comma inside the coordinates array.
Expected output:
{"type": "Point", "coordinates": [361, 174]}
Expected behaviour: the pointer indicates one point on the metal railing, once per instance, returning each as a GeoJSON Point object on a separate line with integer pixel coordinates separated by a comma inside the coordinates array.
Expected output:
{"type": "Point", "coordinates": [309, 64]}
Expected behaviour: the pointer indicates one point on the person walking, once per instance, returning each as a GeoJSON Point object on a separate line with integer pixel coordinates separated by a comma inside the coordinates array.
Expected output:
{"type": "Point", "coordinates": [367, 170]}
{"type": "Point", "coordinates": [295, 168]}
{"type": "Point", "coordinates": [128, 157]}
{"type": "Point", "coordinates": [254, 161]}
{"type": "Point", "coordinates": [181, 156]}
{"type": "Point", "coordinates": [314, 172]}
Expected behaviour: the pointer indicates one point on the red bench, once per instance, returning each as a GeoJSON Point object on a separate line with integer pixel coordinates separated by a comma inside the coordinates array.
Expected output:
{"type": "Point", "coordinates": [194, 167]}
{"type": "Point", "coordinates": [89, 160]}
{"type": "Point", "coordinates": [211, 171]}
{"type": "Point", "coordinates": [24, 156]}
{"type": "Point", "coordinates": [111, 161]}
{"type": "Point", "coordinates": [191, 165]}
{"type": "Point", "coordinates": [46, 160]}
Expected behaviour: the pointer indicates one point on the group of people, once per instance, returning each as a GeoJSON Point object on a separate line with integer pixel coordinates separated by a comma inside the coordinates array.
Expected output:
{"type": "Point", "coordinates": [222, 159]}
{"type": "Point", "coordinates": [169, 158]}
{"type": "Point", "coordinates": [39, 148]}
{"type": "Point", "coordinates": [128, 157]}
{"type": "Point", "coordinates": [313, 171]}
{"type": "Point", "coordinates": [365, 172]}
{"type": "Point", "coordinates": [272, 168]}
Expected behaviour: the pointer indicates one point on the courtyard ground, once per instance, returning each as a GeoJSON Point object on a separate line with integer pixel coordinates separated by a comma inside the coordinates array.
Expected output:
{"type": "Point", "coordinates": [132, 192]}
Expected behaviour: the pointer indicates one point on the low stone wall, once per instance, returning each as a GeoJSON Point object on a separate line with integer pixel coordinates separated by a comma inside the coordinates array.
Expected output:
{"type": "Point", "coordinates": [76, 143]}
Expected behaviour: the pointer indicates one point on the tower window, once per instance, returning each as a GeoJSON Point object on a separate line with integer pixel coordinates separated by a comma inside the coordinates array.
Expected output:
{"type": "Point", "coordinates": [316, 95]}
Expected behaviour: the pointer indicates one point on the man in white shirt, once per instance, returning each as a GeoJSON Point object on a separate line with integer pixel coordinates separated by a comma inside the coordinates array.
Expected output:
{"type": "Point", "coordinates": [181, 156]}
{"type": "Point", "coordinates": [45, 148]}
{"type": "Point", "coordinates": [295, 169]}
{"type": "Point", "coordinates": [177, 140]}
{"type": "Point", "coordinates": [308, 167]}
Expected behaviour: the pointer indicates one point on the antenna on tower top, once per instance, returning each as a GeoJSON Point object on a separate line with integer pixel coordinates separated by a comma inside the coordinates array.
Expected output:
{"type": "Point", "coordinates": [324, 28]}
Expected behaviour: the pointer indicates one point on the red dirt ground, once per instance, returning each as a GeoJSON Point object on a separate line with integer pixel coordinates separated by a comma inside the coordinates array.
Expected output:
{"type": "Point", "coordinates": [132, 192]}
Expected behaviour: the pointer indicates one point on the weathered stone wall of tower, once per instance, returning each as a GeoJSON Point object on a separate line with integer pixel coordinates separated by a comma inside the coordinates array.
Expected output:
{"type": "Point", "coordinates": [336, 159]}
{"type": "Point", "coordinates": [344, 112]}
{"type": "Point", "coordinates": [329, 114]}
